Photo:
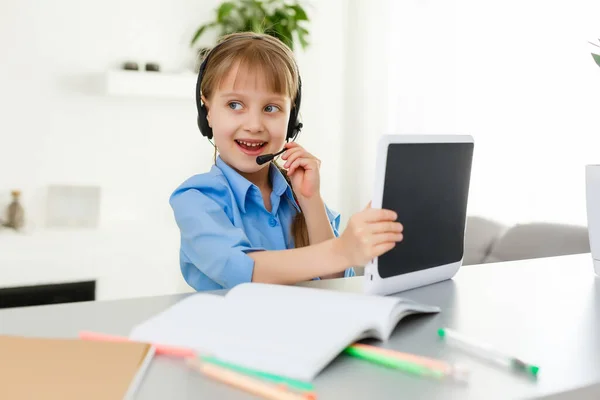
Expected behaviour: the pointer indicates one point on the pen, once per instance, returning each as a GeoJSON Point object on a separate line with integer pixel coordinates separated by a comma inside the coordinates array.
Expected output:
{"type": "Point", "coordinates": [395, 363]}
{"type": "Point", "coordinates": [486, 351]}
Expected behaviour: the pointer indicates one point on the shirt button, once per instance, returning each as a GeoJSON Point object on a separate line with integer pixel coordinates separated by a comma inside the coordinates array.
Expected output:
{"type": "Point", "coordinates": [272, 222]}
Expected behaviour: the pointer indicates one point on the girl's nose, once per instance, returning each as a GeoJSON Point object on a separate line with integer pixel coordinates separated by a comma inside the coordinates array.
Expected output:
{"type": "Point", "coordinates": [254, 122]}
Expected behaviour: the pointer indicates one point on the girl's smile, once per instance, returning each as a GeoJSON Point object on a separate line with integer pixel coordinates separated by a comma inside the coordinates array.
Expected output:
{"type": "Point", "coordinates": [251, 147]}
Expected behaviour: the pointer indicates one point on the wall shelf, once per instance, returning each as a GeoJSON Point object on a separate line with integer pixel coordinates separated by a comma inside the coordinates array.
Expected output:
{"type": "Point", "coordinates": [166, 85]}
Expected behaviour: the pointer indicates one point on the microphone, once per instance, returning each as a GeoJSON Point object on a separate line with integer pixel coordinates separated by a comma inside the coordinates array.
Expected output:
{"type": "Point", "coordinates": [260, 160]}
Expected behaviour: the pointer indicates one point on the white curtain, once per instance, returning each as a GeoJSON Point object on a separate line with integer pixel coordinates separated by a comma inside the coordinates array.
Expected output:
{"type": "Point", "coordinates": [517, 75]}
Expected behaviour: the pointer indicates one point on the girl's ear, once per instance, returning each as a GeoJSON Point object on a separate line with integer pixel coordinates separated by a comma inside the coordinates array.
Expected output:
{"type": "Point", "coordinates": [206, 105]}
{"type": "Point", "coordinates": [204, 101]}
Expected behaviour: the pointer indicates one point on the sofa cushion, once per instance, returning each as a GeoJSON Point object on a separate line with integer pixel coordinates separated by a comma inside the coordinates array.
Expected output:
{"type": "Point", "coordinates": [481, 234]}
{"type": "Point", "coordinates": [535, 240]}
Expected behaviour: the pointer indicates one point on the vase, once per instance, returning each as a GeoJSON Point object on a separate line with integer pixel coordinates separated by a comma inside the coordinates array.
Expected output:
{"type": "Point", "coordinates": [15, 213]}
{"type": "Point", "coordinates": [592, 199]}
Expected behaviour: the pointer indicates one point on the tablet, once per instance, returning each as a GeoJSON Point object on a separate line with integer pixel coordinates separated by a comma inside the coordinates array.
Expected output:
{"type": "Point", "coordinates": [425, 180]}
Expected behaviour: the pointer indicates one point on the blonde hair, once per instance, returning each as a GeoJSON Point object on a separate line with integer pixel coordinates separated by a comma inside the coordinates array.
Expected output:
{"type": "Point", "coordinates": [265, 53]}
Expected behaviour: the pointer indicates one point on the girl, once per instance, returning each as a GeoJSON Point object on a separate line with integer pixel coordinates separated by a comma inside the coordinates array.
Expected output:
{"type": "Point", "coordinates": [248, 222]}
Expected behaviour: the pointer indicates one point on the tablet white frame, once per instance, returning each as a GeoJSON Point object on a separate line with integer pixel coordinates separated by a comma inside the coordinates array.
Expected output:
{"type": "Point", "coordinates": [373, 282]}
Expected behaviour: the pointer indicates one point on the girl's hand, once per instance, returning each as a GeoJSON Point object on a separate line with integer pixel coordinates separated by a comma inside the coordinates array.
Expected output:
{"type": "Point", "coordinates": [302, 169]}
{"type": "Point", "coordinates": [369, 234]}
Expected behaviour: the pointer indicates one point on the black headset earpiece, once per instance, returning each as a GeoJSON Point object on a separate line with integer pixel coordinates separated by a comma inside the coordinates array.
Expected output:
{"type": "Point", "coordinates": [294, 125]}
{"type": "Point", "coordinates": [203, 125]}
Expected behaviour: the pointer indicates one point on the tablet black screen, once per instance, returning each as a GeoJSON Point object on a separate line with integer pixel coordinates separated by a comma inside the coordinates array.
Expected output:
{"type": "Point", "coordinates": [427, 184]}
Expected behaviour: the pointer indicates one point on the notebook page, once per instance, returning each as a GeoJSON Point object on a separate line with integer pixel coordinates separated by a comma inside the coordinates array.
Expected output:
{"type": "Point", "coordinates": [296, 343]}
{"type": "Point", "coordinates": [405, 308]}
{"type": "Point", "coordinates": [193, 322]}
{"type": "Point", "coordinates": [373, 311]}
{"type": "Point", "coordinates": [293, 342]}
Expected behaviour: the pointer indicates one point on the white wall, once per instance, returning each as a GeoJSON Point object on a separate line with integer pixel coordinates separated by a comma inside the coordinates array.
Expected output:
{"type": "Point", "coordinates": [519, 77]}
{"type": "Point", "coordinates": [322, 69]}
{"type": "Point", "coordinates": [365, 99]}
{"type": "Point", "coordinates": [58, 127]}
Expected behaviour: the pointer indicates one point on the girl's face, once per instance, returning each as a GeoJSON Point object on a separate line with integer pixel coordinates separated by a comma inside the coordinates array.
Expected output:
{"type": "Point", "coordinates": [247, 119]}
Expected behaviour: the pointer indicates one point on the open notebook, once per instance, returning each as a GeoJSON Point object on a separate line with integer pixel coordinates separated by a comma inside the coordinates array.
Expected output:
{"type": "Point", "coordinates": [286, 330]}
{"type": "Point", "coordinates": [45, 368]}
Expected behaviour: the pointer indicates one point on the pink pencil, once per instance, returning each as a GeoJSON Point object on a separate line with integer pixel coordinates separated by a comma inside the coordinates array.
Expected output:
{"type": "Point", "coordinates": [160, 349]}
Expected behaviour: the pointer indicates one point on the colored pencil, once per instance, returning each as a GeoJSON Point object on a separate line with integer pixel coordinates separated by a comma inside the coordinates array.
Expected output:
{"type": "Point", "coordinates": [246, 383]}
{"type": "Point", "coordinates": [160, 349]}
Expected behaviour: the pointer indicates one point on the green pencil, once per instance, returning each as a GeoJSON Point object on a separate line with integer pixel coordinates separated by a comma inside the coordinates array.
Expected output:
{"type": "Point", "coordinates": [395, 363]}
{"type": "Point", "coordinates": [292, 383]}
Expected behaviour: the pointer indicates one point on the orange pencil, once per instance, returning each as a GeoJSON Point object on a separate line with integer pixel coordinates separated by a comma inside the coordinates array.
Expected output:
{"type": "Point", "coordinates": [244, 382]}
{"type": "Point", "coordinates": [160, 349]}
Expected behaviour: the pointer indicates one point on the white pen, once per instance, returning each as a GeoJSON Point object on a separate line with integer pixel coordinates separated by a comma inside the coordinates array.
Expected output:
{"type": "Point", "coordinates": [486, 351]}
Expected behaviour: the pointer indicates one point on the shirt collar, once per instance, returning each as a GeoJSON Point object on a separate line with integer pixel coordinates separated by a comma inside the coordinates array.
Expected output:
{"type": "Point", "coordinates": [240, 185]}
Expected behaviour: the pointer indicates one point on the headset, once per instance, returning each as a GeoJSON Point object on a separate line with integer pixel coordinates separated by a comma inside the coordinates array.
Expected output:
{"type": "Point", "coordinates": [294, 125]}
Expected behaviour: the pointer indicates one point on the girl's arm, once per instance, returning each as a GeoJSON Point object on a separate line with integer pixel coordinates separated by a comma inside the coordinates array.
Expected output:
{"type": "Point", "coordinates": [303, 170]}
{"type": "Point", "coordinates": [297, 265]}
{"type": "Point", "coordinates": [369, 234]}
{"type": "Point", "coordinates": [216, 253]}
{"type": "Point", "coordinates": [319, 227]}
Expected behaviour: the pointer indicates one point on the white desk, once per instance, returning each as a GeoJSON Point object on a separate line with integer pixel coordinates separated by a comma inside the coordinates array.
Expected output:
{"type": "Point", "coordinates": [546, 311]}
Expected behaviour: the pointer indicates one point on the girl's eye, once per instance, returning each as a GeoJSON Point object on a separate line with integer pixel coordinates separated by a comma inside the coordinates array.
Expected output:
{"type": "Point", "coordinates": [234, 105]}
{"type": "Point", "coordinates": [271, 109]}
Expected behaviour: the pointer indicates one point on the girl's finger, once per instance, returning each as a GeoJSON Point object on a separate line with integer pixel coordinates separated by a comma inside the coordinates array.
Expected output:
{"type": "Point", "coordinates": [292, 158]}
{"type": "Point", "coordinates": [386, 226]}
{"type": "Point", "coordinates": [387, 237]}
{"type": "Point", "coordinates": [291, 145]}
{"type": "Point", "coordinates": [378, 215]}
{"type": "Point", "coordinates": [299, 162]}
{"type": "Point", "coordinates": [288, 153]}
{"type": "Point", "coordinates": [301, 153]}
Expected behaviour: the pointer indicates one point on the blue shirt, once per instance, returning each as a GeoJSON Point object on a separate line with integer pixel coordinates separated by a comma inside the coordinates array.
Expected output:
{"type": "Point", "coordinates": [221, 217]}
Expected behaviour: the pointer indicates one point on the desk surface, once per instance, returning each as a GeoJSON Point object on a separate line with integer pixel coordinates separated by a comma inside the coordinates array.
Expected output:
{"type": "Point", "coordinates": [545, 310]}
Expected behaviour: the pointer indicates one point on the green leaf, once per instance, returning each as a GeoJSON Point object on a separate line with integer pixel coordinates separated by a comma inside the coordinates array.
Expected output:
{"type": "Point", "coordinates": [278, 18]}
{"type": "Point", "coordinates": [300, 14]}
{"type": "Point", "coordinates": [303, 42]}
{"type": "Point", "coordinates": [596, 58]}
{"type": "Point", "coordinates": [256, 26]}
{"type": "Point", "coordinates": [200, 31]}
{"type": "Point", "coordinates": [224, 10]}
{"type": "Point", "coordinates": [284, 35]}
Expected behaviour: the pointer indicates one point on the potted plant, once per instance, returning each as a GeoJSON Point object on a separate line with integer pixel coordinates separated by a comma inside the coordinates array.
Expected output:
{"type": "Point", "coordinates": [282, 19]}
